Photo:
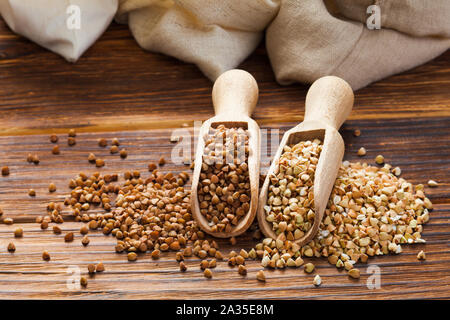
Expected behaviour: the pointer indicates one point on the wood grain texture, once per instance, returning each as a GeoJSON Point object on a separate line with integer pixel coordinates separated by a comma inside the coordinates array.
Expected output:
{"type": "Point", "coordinates": [118, 90]}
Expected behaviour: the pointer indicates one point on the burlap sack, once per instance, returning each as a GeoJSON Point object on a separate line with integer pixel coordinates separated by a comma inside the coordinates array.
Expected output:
{"type": "Point", "coordinates": [305, 39]}
{"type": "Point", "coordinates": [45, 22]}
{"type": "Point", "coordinates": [216, 35]}
{"type": "Point", "coordinates": [309, 39]}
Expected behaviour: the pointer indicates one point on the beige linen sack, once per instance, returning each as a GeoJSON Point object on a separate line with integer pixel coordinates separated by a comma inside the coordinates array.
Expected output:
{"type": "Point", "coordinates": [51, 23]}
{"type": "Point", "coordinates": [216, 35]}
{"type": "Point", "coordinates": [305, 39]}
{"type": "Point", "coordinates": [312, 38]}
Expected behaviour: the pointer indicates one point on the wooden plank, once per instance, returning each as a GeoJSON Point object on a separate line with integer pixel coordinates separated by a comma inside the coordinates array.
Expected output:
{"type": "Point", "coordinates": [118, 86]}
{"type": "Point", "coordinates": [25, 274]}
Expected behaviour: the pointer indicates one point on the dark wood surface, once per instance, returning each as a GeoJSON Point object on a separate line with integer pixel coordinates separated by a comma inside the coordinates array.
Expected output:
{"type": "Point", "coordinates": [118, 90]}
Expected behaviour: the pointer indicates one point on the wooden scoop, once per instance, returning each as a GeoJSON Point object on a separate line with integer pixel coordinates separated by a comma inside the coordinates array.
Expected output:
{"type": "Point", "coordinates": [234, 96]}
{"type": "Point", "coordinates": [329, 101]}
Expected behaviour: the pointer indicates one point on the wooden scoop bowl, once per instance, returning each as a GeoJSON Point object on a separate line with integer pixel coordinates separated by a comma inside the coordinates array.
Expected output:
{"type": "Point", "coordinates": [329, 101]}
{"type": "Point", "coordinates": [234, 96]}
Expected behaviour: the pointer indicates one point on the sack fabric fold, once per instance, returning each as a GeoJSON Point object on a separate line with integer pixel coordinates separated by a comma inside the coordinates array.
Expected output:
{"type": "Point", "coordinates": [310, 38]}
{"type": "Point", "coordinates": [305, 39]}
{"type": "Point", "coordinates": [46, 23]}
{"type": "Point", "coordinates": [215, 35]}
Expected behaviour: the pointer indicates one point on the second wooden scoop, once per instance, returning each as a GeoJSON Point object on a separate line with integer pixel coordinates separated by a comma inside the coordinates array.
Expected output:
{"type": "Point", "coordinates": [329, 101]}
{"type": "Point", "coordinates": [234, 95]}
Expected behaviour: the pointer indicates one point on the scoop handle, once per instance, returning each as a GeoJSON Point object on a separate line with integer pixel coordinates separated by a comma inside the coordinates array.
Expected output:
{"type": "Point", "coordinates": [329, 100]}
{"type": "Point", "coordinates": [235, 93]}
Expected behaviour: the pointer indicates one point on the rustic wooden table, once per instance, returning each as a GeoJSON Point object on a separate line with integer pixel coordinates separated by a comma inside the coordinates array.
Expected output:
{"type": "Point", "coordinates": [118, 90]}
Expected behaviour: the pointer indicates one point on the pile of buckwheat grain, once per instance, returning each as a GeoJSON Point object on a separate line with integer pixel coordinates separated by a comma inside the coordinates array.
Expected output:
{"type": "Point", "coordinates": [370, 212]}
{"type": "Point", "coordinates": [151, 214]}
{"type": "Point", "coordinates": [224, 184]}
{"type": "Point", "coordinates": [290, 199]}
{"type": "Point", "coordinates": [143, 215]}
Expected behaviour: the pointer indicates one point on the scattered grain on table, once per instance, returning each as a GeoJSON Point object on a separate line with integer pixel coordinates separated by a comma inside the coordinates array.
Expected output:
{"type": "Point", "coordinates": [132, 256]}
{"type": "Point", "coordinates": [71, 141]}
{"type": "Point", "coordinates": [102, 142]}
{"type": "Point", "coordinates": [5, 171]}
{"type": "Point", "coordinates": [317, 280]}
{"type": "Point", "coordinates": [421, 255]}
{"type": "Point", "coordinates": [91, 268]}
{"type": "Point", "coordinates": [91, 157]}
{"type": "Point", "coordinates": [260, 276]}
{"type": "Point", "coordinates": [100, 267]}
{"type": "Point", "coordinates": [84, 229]}
{"type": "Point", "coordinates": [83, 281]}
{"type": "Point", "coordinates": [35, 159]}
{"type": "Point", "coordinates": [208, 273]}
{"type": "Point", "coordinates": [11, 247]}
{"type": "Point", "coordinates": [72, 133]}
{"type": "Point", "coordinates": [85, 241]}
{"type": "Point", "coordinates": [242, 270]}
{"type": "Point", "coordinates": [52, 187]}
{"type": "Point", "coordinates": [45, 255]}
{"type": "Point", "coordinates": [69, 237]}
{"type": "Point", "coordinates": [204, 264]}
{"type": "Point", "coordinates": [18, 233]}
{"type": "Point", "coordinates": [379, 159]}
{"type": "Point", "coordinates": [432, 183]}
{"type": "Point", "coordinates": [99, 163]}
{"type": "Point", "coordinates": [354, 273]}
{"type": "Point", "coordinates": [309, 267]}
{"type": "Point", "coordinates": [361, 151]}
